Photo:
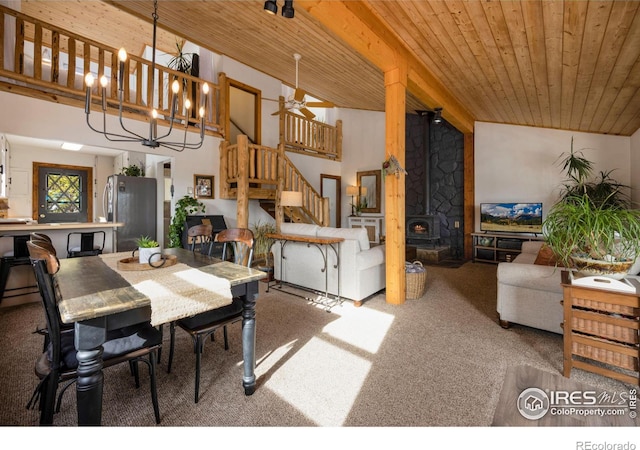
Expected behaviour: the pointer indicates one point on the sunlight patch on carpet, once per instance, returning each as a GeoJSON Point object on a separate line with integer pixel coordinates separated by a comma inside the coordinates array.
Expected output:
{"type": "Point", "coordinates": [302, 381]}
{"type": "Point", "coordinates": [361, 327]}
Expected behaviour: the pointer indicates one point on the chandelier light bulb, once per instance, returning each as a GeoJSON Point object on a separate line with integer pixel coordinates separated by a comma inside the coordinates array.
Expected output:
{"type": "Point", "coordinates": [175, 87]}
{"type": "Point", "coordinates": [122, 55]}
{"type": "Point", "coordinates": [187, 104]}
{"type": "Point", "coordinates": [154, 113]}
{"type": "Point", "coordinates": [205, 88]}
{"type": "Point", "coordinates": [201, 112]}
{"type": "Point", "coordinates": [104, 81]}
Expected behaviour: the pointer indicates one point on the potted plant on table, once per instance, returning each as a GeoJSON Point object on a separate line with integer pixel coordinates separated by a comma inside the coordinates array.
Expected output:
{"type": "Point", "coordinates": [593, 228]}
{"type": "Point", "coordinates": [148, 250]}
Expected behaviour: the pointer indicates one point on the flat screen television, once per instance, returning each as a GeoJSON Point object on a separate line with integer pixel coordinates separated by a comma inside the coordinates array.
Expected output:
{"type": "Point", "coordinates": [511, 217]}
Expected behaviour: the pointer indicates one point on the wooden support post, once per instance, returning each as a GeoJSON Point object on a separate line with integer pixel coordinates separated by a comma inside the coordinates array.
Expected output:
{"type": "Point", "coordinates": [223, 175]}
{"type": "Point", "coordinates": [281, 187]}
{"type": "Point", "coordinates": [394, 188]}
{"type": "Point", "coordinates": [243, 182]}
{"type": "Point", "coordinates": [469, 196]}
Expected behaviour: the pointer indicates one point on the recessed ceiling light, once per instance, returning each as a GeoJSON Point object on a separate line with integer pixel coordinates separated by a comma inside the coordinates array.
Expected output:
{"type": "Point", "coordinates": [70, 146]}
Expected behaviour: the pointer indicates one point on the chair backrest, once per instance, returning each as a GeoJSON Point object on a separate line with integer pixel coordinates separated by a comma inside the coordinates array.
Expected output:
{"type": "Point", "coordinates": [40, 237]}
{"type": "Point", "coordinates": [200, 238]}
{"type": "Point", "coordinates": [84, 243]}
{"type": "Point", "coordinates": [43, 241]}
{"type": "Point", "coordinates": [45, 265]}
{"type": "Point", "coordinates": [241, 241]}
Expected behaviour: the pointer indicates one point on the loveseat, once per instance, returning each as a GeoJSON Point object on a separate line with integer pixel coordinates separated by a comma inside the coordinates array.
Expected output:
{"type": "Point", "coordinates": [361, 269]}
{"type": "Point", "coordinates": [530, 294]}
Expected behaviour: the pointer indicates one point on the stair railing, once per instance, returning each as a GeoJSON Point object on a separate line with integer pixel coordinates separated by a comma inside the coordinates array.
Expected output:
{"type": "Point", "coordinates": [25, 69]}
{"type": "Point", "coordinates": [268, 170]}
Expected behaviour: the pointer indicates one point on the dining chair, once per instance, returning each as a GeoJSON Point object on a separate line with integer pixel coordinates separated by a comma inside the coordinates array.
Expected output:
{"type": "Point", "coordinates": [199, 237]}
{"type": "Point", "coordinates": [58, 363]}
{"type": "Point", "coordinates": [17, 256]}
{"type": "Point", "coordinates": [85, 243]}
{"type": "Point", "coordinates": [203, 325]}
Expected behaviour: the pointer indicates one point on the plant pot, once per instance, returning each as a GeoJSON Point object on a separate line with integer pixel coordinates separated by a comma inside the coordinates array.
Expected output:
{"type": "Point", "coordinates": [147, 255]}
{"type": "Point", "coordinates": [597, 267]}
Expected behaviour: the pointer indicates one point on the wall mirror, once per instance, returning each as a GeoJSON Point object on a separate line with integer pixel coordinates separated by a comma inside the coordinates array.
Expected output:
{"type": "Point", "coordinates": [371, 180]}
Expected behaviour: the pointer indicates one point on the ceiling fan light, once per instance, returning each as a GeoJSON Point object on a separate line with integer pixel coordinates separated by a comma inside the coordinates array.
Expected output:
{"type": "Point", "coordinates": [271, 7]}
{"type": "Point", "coordinates": [287, 9]}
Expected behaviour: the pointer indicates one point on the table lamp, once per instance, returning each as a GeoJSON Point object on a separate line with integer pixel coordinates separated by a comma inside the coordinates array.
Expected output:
{"type": "Point", "coordinates": [291, 198]}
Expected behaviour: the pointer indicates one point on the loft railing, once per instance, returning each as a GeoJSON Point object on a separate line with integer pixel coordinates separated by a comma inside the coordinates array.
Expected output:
{"type": "Point", "coordinates": [45, 58]}
{"type": "Point", "coordinates": [310, 137]}
{"type": "Point", "coordinates": [269, 170]}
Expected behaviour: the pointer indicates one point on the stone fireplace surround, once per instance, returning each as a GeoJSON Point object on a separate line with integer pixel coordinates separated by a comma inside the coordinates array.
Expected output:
{"type": "Point", "coordinates": [434, 183]}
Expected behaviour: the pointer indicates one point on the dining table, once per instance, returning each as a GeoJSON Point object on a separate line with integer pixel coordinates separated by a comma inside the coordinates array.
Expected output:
{"type": "Point", "coordinates": [100, 293]}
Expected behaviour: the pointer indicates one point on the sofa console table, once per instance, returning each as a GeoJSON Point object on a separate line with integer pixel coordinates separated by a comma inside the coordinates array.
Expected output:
{"type": "Point", "coordinates": [601, 326]}
{"type": "Point", "coordinates": [323, 244]}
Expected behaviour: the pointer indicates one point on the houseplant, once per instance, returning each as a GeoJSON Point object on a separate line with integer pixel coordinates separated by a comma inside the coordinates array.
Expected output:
{"type": "Point", "coordinates": [262, 244]}
{"type": "Point", "coordinates": [593, 228]}
{"type": "Point", "coordinates": [148, 250]}
{"type": "Point", "coordinates": [185, 206]}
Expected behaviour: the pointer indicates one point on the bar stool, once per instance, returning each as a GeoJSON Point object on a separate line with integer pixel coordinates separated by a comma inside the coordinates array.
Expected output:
{"type": "Point", "coordinates": [19, 256]}
{"type": "Point", "coordinates": [84, 243]}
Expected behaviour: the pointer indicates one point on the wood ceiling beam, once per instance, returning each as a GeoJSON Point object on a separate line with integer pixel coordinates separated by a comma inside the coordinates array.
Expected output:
{"type": "Point", "coordinates": [360, 28]}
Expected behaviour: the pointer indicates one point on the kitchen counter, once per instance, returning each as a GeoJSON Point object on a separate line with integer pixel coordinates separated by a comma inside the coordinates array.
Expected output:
{"type": "Point", "coordinates": [7, 225]}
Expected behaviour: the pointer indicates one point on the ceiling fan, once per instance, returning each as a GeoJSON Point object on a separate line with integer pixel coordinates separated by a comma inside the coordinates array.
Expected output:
{"type": "Point", "coordinates": [297, 100]}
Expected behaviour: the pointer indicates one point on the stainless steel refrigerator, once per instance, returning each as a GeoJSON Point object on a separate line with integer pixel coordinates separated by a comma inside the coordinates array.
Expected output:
{"type": "Point", "coordinates": [132, 201]}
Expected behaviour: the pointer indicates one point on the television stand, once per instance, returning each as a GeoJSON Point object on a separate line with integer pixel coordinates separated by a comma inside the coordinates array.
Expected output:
{"type": "Point", "coordinates": [499, 247]}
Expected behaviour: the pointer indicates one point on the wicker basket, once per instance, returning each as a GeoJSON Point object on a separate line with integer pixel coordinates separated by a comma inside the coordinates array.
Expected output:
{"type": "Point", "coordinates": [416, 282]}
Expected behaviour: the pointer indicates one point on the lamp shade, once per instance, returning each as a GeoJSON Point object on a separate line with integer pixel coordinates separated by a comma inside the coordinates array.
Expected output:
{"type": "Point", "coordinates": [291, 198]}
{"type": "Point", "coordinates": [352, 190]}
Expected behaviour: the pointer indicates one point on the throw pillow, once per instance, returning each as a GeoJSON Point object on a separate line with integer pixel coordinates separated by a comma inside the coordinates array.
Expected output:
{"type": "Point", "coordinates": [546, 257]}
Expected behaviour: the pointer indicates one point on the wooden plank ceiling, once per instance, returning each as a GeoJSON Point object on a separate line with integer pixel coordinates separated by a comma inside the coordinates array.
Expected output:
{"type": "Point", "coordinates": [572, 65]}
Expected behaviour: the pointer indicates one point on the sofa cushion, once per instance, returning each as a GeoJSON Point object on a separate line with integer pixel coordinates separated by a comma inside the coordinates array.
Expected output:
{"type": "Point", "coordinates": [356, 234]}
{"type": "Point", "coordinates": [546, 257]}
{"type": "Point", "coordinates": [370, 258]}
{"type": "Point", "coordinates": [305, 229]}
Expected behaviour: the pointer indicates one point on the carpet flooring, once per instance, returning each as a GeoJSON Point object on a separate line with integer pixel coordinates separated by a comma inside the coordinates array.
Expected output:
{"type": "Point", "coordinates": [437, 361]}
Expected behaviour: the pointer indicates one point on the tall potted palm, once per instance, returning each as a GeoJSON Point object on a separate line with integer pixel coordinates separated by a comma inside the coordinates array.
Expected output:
{"type": "Point", "coordinates": [593, 227]}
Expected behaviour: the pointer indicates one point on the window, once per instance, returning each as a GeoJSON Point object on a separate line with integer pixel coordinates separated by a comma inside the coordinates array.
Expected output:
{"type": "Point", "coordinates": [62, 193]}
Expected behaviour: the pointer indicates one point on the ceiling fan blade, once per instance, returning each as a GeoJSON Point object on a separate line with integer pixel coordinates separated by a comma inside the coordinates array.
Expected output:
{"type": "Point", "coordinates": [298, 96]}
{"type": "Point", "coordinates": [320, 105]}
{"type": "Point", "coordinates": [308, 114]}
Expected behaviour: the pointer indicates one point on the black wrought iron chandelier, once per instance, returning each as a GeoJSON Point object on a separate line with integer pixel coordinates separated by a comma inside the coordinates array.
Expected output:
{"type": "Point", "coordinates": [152, 140]}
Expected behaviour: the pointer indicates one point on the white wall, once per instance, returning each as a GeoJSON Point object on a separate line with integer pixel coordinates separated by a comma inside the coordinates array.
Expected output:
{"type": "Point", "coordinates": [363, 148]}
{"type": "Point", "coordinates": [521, 164]}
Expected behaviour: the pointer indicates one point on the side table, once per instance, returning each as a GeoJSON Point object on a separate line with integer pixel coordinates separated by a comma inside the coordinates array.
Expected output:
{"type": "Point", "coordinates": [601, 325]}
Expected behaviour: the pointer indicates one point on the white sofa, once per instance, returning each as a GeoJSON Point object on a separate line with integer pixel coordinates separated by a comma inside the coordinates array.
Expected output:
{"type": "Point", "coordinates": [361, 269]}
{"type": "Point", "coordinates": [530, 294]}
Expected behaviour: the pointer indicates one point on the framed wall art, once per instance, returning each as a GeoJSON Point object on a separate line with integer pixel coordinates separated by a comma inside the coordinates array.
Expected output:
{"type": "Point", "coordinates": [203, 186]}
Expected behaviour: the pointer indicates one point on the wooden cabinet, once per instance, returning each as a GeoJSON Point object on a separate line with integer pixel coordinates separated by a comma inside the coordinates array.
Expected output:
{"type": "Point", "coordinates": [373, 225]}
{"type": "Point", "coordinates": [498, 247]}
{"type": "Point", "coordinates": [601, 331]}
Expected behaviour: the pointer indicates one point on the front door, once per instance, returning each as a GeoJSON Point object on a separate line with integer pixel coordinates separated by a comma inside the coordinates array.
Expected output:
{"type": "Point", "coordinates": [63, 193]}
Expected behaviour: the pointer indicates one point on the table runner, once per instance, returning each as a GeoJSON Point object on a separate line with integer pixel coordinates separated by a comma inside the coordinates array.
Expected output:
{"type": "Point", "coordinates": [176, 291]}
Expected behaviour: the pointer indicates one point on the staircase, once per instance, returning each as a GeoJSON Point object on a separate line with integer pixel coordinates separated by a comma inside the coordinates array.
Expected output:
{"type": "Point", "coordinates": [255, 172]}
